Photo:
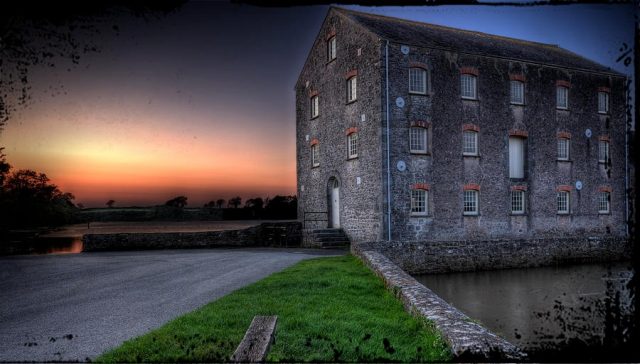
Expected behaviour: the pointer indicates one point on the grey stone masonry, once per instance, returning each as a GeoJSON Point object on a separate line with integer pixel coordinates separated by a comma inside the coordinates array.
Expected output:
{"type": "Point", "coordinates": [418, 257]}
{"type": "Point", "coordinates": [468, 340]}
{"type": "Point", "coordinates": [375, 197]}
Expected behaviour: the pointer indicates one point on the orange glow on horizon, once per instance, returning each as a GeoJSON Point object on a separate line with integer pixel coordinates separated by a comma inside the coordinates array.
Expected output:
{"type": "Point", "coordinates": [151, 161]}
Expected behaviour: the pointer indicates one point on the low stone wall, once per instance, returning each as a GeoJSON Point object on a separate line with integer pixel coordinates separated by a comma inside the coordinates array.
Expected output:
{"type": "Point", "coordinates": [418, 257]}
{"type": "Point", "coordinates": [265, 234]}
{"type": "Point", "coordinates": [468, 340]}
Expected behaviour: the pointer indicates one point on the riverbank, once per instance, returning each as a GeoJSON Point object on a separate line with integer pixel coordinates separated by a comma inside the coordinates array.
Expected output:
{"type": "Point", "coordinates": [329, 309]}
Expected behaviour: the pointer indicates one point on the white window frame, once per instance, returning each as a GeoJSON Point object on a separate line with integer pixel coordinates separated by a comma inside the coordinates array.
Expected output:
{"type": "Point", "coordinates": [564, 149]}
{"type": "Point", "coordinates": [470, 139]}
{"type": "Point", "coordinates": [470, 199]}
{"type": "Point", "coordinates": [315, 155]}
{"type": "Point", "coordinates": [603, 102]}
{"type": "Point", "coordinates": [517, 89]}
{"type": "Point", "coordinates": [468, 91]}
{"type": "Point", "coordinates": [315, 106]}
{"type": "Point", "coordinates": [517, 171]}
{"type": "Point", "coordinates": [418, 77]}
{"type": "Point", "coordinates": [562, 97]}
{"type": "Point", "coordinates": [418, 135]}
{"type": "Point", "coordinates": [419, 202]}
{"type": "Point", "coordinates": [517, 198]}
{"type": "Point", "coordinates": [352, 89]}
{"type": "Point", "coordinates": [604, 199]}
{"type": "Point", "coordinates": [352, 145]}
{"type": "Point", "coordinates": [604, 151]}
{"type": "Point", "coordinates": [566, 196]}
{"type": "Point", "coordinates": [332, 48]}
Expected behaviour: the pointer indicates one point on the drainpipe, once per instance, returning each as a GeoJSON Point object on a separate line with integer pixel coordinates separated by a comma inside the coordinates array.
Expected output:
{"type": "Point", "coordinates": [386, 70]}
{"type": "Point", "coordinates": [627, 130]}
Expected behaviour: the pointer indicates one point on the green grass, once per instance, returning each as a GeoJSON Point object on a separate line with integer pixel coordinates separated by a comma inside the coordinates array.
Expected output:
{"type": "Point", "coordinates": [329, 309]}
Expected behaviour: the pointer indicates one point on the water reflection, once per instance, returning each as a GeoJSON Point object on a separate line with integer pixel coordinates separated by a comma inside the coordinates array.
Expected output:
{"type": "Point", "coordinates": [547, 310]}
{"type": "Point", "coordinates": [44, 245]}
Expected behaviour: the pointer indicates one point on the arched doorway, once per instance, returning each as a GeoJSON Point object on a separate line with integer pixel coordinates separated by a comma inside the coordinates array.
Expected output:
{"type": "Point", "coordinates": [334, 202]}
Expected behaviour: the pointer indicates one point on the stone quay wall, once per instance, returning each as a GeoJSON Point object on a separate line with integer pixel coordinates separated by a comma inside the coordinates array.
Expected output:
{"type": "Point", "coordinates": [265, 234]}
{"type": "Point", "coordinates": [418, 257]}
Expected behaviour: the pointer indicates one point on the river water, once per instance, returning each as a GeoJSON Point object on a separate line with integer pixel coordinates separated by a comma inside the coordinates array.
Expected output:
{"type": "Point", "coordinates": [561, 313]}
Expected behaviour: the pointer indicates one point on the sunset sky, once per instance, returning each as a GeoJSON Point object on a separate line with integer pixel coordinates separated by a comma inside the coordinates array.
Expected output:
{"type": "Point", "coordinates": [201, 103]}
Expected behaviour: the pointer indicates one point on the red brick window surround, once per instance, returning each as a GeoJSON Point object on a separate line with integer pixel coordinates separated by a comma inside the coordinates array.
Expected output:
{"type": "Point", "coordinates": [470, 199]}
{"type": "Point", "coordinates": [352, 85]}
{"type": "Point", "coordinates": [517, 88]}
{"type": "Point", "coordinates": [332, 45]}
{"type": "Point", "coordinates": [352, 143]}
{"type": "Point", "coordinates": [419, 194]}
{"type": "Point", "coordinates": [314, 102]}
{"type": "Point", "coordinates": [419, 137]}
{"type": "Point", "coordinates": [418, 78]}
{"type": "Point", "coordinates": [562, 94]}
{"type": "Point", "coordinates": [603, 100]}
{"type": "Point", "coordinates": [564, 145]}
{"type": "Point", "coordinates": [563, 199]}
{"type": "Point", "coordinates": [315, 153]}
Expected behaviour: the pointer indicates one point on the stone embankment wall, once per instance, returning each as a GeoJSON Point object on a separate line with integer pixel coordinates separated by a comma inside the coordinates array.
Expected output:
{"type": "Point", "coordinates": [417, 257]}
{"type": "Point", "coordinates": [468, 341]}
{"type": "Point", "coordinates": [265, 234]}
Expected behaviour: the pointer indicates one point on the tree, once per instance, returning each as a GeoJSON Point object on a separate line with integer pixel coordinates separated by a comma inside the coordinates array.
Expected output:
{"type": "Point", "coordinates": [281, 207]}
{"type": "Point", "coordinates": [5, 167]}
{"type": "Point", "coordinates": [209, 205]}
{"type": "Point", "coordinates": [254, 203]}
{"type": "Point", "coordinates": [179, 202]}
{"type": "Point", "coordinates": [220, 202]}
{"type": "Point", "coordinates": [110, 203]}
{"type": "Point", "coordinates": [235, 202]}
{"type": "Point", "coordinates": [48, 33]}
{"type": "Point", "coordinates": [29, 199]}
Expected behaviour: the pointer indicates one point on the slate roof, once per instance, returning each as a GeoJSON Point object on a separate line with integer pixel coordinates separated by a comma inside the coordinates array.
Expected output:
{"type": "Point", "coordinates": [441, 37]}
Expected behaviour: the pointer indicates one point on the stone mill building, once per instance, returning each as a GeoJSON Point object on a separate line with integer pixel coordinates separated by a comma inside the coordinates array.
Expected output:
{"type": "Point", "coordinates": [408, 131]}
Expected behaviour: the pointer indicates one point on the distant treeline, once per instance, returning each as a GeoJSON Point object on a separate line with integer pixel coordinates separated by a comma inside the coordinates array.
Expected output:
{"type": "Point", "coordinates": [28, 199]}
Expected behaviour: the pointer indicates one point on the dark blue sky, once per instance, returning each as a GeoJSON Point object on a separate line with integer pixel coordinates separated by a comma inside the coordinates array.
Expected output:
{"type": "Point", "coordinates": [201, 102]}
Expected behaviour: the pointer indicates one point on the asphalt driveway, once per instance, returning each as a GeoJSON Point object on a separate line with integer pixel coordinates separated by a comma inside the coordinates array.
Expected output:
{"type": "Point", "coordinates": [74, 307]}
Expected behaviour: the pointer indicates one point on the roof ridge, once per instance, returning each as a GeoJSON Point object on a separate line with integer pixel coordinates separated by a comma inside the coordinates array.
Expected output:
{"type": "Point", "coordinates": [443, 27]}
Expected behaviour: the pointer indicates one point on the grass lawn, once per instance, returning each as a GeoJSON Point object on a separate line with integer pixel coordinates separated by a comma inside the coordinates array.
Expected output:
{"type": "Point", "coordinates": [329, 309]}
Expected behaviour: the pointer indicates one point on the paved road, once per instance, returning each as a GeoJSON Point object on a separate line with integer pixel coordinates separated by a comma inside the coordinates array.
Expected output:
{"type": "Point", "coordinates": [74, 307]}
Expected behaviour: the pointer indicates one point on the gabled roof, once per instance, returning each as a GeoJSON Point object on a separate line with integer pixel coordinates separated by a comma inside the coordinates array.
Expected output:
{"type": "Point", "coordinates": [465, 41]}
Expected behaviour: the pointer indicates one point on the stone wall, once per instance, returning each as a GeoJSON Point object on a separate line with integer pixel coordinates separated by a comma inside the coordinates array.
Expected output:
{"type": "Point", "coordinates": [468, 340]}
{"type": "Point", "coordinates": [418, 257]}
{"type": "Point", "coordinates": [446, 170]}
{"type": "Point", "coordinates": [358, 178]}
{"type": "Point", "coordinates": [265, 234]}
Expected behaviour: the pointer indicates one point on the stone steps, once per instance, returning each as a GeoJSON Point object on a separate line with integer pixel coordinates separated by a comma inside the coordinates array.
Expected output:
{"type": "Point", "coordinates": [329, 238]}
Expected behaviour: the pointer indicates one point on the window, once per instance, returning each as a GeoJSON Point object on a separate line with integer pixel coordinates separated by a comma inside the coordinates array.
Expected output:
{"type": "Point", "coordinates": [603, 102]}
{"type": "Point", "coordinates": [563, 149]}
{"type": "Point", "coordinates": [562, 97]}
{"type": "Point", "coordinates": [517, 92]}
{"type": "Point", "coordinates": [417, 139]}
{"type": "Point", "coordinates": [470, 202]}
{"type": "Point", "coordinates": [469, 142]}
{"type": "Point", "coordinates": [352, 145]}
{"type": "Point", "coordinates": [419, 199]}
{"type": "Point", "coordinates": [331, 48]}
{"type": "Point", "coordinates": [315, 155]}
{"type": "Point", "coordinates": [352, 85]}
{"type": "Point", "coordinates": [417, 80]}
{"type": "Point", "coordinates": [314, 106]}
{"type": "Point", "coordinates": [563, 202]}
{"type": "Point", "coordinates": [516, 157]}
{"type": "Point", "coordinates": [603, 151]}
{"type": "Point", "coordinates": [468, 86]}
{"type": "Point", "coordinates": [517, 202]}
{"type": "Point", "coordinates": [604, 201]}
